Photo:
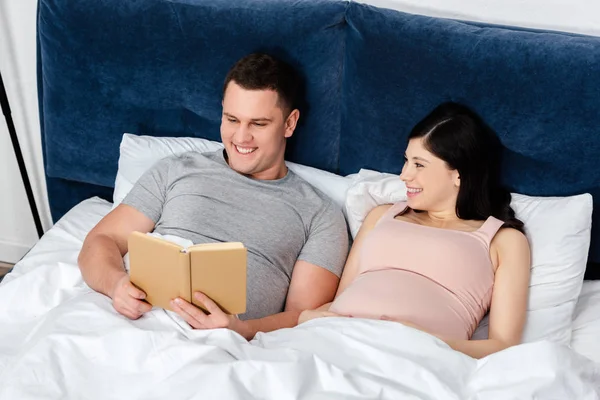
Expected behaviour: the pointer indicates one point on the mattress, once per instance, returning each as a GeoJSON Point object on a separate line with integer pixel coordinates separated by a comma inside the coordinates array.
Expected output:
{"type": "Point", "coordinates": [60, 339]}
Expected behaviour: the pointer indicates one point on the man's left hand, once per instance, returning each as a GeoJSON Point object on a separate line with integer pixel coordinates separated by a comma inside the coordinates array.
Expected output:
{"type": "Point", "coordinates": [216, 318]}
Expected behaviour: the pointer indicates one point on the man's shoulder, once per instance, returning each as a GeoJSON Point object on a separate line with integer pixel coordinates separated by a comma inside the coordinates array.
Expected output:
{"type": "Point", "coordinates": [312, 197]}
{"type": "Point", "coordinates": [193, 158]}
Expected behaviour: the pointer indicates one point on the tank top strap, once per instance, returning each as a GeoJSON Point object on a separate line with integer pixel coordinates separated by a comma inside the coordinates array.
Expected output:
{"type": "Point", "coordinates": [394, 210]}
{"type": "Point", "coordinates": [489, 229]}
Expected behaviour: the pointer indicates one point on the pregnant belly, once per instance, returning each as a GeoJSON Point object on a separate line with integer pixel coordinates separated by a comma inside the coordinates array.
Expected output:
{"type": "Point", "coordinates": [404, 296]}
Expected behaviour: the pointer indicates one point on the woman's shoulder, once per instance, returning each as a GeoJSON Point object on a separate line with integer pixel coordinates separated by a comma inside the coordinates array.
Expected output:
{"type": "Point", "coordinates": [510, 243]}
{"type": "Point", "coordinates": [508, 237]}
{"type": "Point", "coordinates": [378, 212]}
{"type": "Point", "coordinates": [375, 215]}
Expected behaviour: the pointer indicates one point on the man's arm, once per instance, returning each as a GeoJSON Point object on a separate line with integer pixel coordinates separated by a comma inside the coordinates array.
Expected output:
{"type": "Point", "coordinates": [101, 259]}
{"type": "Point", "coordinates": [310, 287]}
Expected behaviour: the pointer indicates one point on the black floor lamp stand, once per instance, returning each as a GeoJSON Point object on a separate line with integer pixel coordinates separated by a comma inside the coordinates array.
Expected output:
{"type": "Point", "coordinates": [17, 149]}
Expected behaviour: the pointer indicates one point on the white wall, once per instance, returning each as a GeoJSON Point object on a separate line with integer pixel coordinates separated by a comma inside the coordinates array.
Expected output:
{"type": "Point", "coordinates": [18, 66]}
{"type": "Point", "coordinates": [577, 16]}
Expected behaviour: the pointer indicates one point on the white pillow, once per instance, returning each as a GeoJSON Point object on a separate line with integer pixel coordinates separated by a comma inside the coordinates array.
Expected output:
{"type": "Point", "coordinates": [139, 153]}
{"type": "Point", "coordinates": [558, 229]}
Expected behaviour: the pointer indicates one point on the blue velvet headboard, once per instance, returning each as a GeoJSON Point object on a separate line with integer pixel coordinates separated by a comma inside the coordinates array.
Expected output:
{"type": "Point", "coordinates": [156, 67]}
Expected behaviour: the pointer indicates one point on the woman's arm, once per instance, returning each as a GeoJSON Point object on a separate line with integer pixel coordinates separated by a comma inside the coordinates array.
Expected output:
{"type": "Point", "coordinates": [351, 266]}
{"type": "Point", "coordinates": [509, 299]}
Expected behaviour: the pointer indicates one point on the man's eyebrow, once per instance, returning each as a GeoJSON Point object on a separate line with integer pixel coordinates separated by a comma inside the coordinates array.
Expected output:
{"type": "Point", "coordinates": [262, 119]}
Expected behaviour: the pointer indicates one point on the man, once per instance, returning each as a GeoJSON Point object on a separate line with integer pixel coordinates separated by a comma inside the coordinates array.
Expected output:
{"type": "Point", "coordinates": [296, 237]}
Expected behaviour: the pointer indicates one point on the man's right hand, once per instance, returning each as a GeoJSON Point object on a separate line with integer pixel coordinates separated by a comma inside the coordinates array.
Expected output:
{"type": "Point", "coordinates": [101, 259]}
{"type": "Point", "coordinates": [127, 299]}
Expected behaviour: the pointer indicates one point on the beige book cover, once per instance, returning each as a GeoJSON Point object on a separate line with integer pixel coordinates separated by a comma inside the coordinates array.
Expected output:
{"type": "Point", "coordinates": [165, 270]}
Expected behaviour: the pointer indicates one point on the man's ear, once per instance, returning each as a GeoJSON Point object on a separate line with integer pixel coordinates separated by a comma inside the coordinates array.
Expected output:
{"type": "Point", "coordinates": [291, 122]}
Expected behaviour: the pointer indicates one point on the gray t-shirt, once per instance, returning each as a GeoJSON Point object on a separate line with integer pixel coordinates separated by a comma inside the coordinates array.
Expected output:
{"type": "Point", "coordinates": [197, 196]}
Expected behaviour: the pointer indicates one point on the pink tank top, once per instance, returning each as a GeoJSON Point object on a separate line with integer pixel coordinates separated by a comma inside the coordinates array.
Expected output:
{"type": "Point", "coordinates": [439, 279]}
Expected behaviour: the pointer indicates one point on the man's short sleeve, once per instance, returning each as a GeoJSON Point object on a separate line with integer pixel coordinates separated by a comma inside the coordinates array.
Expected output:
{"type": "Point", "coordinates": [148, 195]}
{"type": "Point", "coordinates": [327, 244]}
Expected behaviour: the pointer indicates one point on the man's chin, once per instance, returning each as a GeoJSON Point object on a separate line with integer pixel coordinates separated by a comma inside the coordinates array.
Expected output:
{"type": "Point", "coordinates": [240, 168]}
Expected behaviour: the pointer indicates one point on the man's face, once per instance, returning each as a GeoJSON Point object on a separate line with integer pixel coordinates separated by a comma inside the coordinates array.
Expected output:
{"type": "Point", "coordinates": [254, 129]}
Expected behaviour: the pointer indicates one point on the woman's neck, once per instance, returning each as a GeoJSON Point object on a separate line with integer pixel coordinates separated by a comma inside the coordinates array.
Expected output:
{"type": "Point", "coordinates": [442, 217]}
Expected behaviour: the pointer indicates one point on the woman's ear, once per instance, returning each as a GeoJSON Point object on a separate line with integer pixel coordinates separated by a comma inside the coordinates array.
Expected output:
{"type": "Point", "coordinates": [456, 179]}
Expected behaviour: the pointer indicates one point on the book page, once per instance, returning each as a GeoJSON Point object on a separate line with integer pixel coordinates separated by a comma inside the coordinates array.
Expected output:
{"type": "Point", "coordinates": [216, 246]}
{"type": "Point", "coordinates": [220, 273]}
{"type": "Point", "coordinates": [159, 268]}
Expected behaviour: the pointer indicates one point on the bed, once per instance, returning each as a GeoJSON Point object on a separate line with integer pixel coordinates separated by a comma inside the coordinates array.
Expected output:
{"type": "Point", "coordinates": [78, 347]}
{"type": "Point", "coordinates": [154, 69]}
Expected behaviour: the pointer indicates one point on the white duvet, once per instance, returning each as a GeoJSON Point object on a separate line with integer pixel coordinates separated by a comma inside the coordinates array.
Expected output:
{"type": "Point", "coordinates": [59, 339]}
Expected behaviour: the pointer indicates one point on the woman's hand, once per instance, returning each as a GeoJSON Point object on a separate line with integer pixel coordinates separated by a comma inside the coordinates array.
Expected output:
{"type": "Point", "coordinates": [307, 315]}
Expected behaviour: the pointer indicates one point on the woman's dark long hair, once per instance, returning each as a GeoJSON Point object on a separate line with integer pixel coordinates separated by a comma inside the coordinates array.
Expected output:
{"type": "Point", "coordinates": [461, 138]}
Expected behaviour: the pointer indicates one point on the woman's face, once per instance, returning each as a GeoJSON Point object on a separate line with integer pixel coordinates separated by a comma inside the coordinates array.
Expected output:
{"type": "Point", "coordinates": [431, 185]}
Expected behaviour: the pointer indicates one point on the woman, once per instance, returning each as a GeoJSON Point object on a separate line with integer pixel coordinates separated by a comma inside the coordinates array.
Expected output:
{"type": "Point", "coordinates": [432, 261]}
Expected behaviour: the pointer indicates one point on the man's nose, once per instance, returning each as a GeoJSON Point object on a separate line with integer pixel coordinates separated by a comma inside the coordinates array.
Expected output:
{"type": "Point", "coordinates": [243, 134]}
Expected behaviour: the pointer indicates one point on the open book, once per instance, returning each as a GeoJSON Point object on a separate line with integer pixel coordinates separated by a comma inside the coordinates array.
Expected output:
{"type": "Point", "coordinates": [165, 270]}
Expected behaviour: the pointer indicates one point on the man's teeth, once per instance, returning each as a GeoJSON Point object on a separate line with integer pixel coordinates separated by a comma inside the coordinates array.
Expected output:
{"type": "Point", "coordinates": [410, 190]}
{"type": "Point", "coordinates": [245, 150]}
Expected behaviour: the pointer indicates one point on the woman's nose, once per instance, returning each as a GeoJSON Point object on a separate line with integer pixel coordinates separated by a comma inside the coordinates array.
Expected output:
{"type": "Point", "coordinates": [405, 175]}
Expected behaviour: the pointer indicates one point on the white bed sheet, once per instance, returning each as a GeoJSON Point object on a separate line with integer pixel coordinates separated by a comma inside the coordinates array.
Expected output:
{"type": "Point", "coordinates": [586, 322]}
{"type": "Point", "coordinates": [59, 339]}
